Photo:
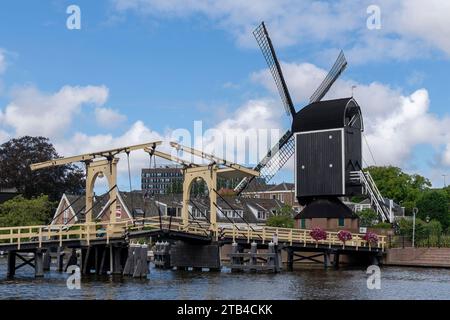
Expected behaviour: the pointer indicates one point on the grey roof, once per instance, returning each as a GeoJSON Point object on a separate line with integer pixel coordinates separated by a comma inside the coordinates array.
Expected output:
{"type": "Point", "coordinates": [284, 186]}
{"type": "Point", "coordinates": [141, 203]}
{"type": "Point", "coordinates": [78, 203]}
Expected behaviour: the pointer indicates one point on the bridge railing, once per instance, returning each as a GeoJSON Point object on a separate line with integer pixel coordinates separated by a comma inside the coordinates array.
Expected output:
{"type": "Point", "coordinates": [38, 235]}
{"type": "Point", "coordinates": [299, 236]}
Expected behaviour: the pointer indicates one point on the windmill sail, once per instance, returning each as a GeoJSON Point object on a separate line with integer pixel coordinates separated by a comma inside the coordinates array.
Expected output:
{"type": "Point", "coordinates": [338, 67]}
{"type": "Point", "coordinates": [264, 42]}
{"type": "Point", "coordinates": [275, 159]}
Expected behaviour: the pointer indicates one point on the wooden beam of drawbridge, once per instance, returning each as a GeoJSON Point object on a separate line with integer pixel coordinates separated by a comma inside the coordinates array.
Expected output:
{"type": "Point", "coordinates": [94, 155]}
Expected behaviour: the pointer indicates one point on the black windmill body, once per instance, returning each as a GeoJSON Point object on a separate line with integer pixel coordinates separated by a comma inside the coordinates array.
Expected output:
{"type": "Point", "coordinates": [325, 138]}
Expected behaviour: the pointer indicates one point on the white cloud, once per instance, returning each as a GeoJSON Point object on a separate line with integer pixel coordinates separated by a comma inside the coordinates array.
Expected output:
{"type": "Point", "coordinates": [138, 133]}
{"type": "Point", "coordinates": [410, 28]}
{"type": "Point", "coordinates": [247, 134]}
{"type": "Point", "coordinates": [32, 112]}
{"type": "Point", "coordinates": [2, 61]}
{"type": "Point", "coordinates": [395, 123]}
{"type": "Point", "coordinates": [109, 118]}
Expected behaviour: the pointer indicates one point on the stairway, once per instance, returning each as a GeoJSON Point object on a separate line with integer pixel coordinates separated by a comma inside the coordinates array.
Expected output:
{"type": "Point", "coordinates": [371, 189]}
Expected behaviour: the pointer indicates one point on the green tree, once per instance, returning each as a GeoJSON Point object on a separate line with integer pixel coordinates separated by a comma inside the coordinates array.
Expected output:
{"type": "Point", "coordinates": [280, 221]}
{"type": "Point", "coordinates": [16, 155]}
{"type": "Point", "coordinates": [283, 218]}
{"type": "Point", "coordinates": [176, 187]}
{"type": "Point", "coordinates": [403, 188]}
{"type": "Point", "coordinates": [367, 217]}
{"type": "Point", "coordinates": [25, 212]}
{"type": "Point", "coordinates": [434, 204]}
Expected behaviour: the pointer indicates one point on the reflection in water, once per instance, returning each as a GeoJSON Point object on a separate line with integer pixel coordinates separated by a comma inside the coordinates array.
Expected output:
{"type": "Point", "coordinates": [307, 283]}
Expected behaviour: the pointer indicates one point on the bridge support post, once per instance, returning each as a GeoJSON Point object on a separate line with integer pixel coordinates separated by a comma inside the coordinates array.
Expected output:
{"type": "Point", "coordinates": [118, 257]}
{"type": "Point", "coordinates": [47, 260]}
{"type": "Point", "coordinates": [278, 260]}
{"type": "Point", "coordinates": [11, 264]}
{"type": "Point", "coordinates": [253, 255]}
{"type": "Point", "coordinates": [162, 255]}
{"type": "Point", "coordinates": [336, 260]}
{"type": "Point", "coordinates": [60, 259]}
{"type": "Point", "coordinates": [38, 263]}
{"type": "Point", "coordinates": [72, 261]}
{"type": "Point", "coordinates": [374, 260]}
{"type": "Point", "coordinates": [235, 261]}
{"type": "Point", "coordinates": [326, 259]}
{"type": "Point", "coordinates": [290, 259]}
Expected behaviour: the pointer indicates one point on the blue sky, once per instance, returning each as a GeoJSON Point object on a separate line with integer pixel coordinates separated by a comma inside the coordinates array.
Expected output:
{"type": "Point", "coordinates": [166, 64]}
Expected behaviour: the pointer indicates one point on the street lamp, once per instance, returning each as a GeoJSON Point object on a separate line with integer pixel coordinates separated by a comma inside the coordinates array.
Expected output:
{"type": "Point", "coordinates": [445, 184]}
{"type": "Point", "coordinates": [415, 210]}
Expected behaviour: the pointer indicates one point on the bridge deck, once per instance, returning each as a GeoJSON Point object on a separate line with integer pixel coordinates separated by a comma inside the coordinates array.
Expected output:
{"type": "Point", "coordinates": [34, 237]}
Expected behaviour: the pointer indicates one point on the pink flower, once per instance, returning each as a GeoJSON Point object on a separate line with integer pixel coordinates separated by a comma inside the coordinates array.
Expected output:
{"type": "Point", "coordinates": [371, 237]}
{"type": "Point", "coordinates": [344, 236]}
{"type": "Point", "coordinates": [318, 234]}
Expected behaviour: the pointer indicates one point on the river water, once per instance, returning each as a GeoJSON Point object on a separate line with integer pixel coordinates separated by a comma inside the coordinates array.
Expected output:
{"type": "Point", "coordinates": [307, 283]}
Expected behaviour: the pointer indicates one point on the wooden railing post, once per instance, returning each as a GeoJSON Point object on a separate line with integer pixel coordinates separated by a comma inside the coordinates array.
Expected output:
{"type": "Point", "coordinates": [264, 235]}
{"type": "Point", "coordinates": [60, 236]}
{"type": "Point", "coordinates": [40, 237]}
{"type": "Point", "coordinates": [18, 238]}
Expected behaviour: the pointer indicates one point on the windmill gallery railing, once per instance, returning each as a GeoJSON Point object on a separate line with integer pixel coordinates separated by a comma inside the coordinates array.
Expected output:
{"type": "Point", "coordinates": [39, 236]}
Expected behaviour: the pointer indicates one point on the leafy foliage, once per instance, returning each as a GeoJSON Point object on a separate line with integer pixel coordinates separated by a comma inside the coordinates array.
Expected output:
{"type": "Point", "coordinates": [26, 212]}
{"type": "Point", "coordinates": [434, 204]}
{"type": "Point", "coordinates": [382, 225]}
{"type": "Point", "coordinates": [16, 155]}
{"type": "Point", "coordinates": [367, 217]}
{"type": "Point", "coordinates": [280, 221]}
{"type": "Point", "coordinates": [423, 229]}
{"type": "Point", "coordinates": [176, 187]}
{"type": "Point", "coordinates": [395, 184]}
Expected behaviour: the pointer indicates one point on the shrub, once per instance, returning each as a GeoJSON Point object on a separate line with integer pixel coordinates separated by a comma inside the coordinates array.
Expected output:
{"type": "Point", "coordinates": [382, 225]}
{"type": "Point", "coordinates": [280, 221]}
{"type": "Point", "coordinates": [367, 217]}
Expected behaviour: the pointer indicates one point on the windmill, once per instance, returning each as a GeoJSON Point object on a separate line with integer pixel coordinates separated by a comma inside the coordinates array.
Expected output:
{"type": "Point", "coordinates": [325, 137]}
{"type": "Point", "coordinates": [283, 150]}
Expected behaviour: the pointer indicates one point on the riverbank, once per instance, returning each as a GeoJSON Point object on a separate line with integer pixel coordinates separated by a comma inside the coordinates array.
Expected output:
{"type": "Point", "coordinates": [418, 257]}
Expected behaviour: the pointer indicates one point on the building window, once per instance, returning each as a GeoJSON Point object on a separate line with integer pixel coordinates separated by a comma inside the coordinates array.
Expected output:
{"type": "Point", "coordinates": [66, 216]}
{"type": "Point", "coordinates": [302, 223]}
{"type": "Point", "coordinates": [341, 222]}
{"type": "Point", "coordinates": [262, 215]}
